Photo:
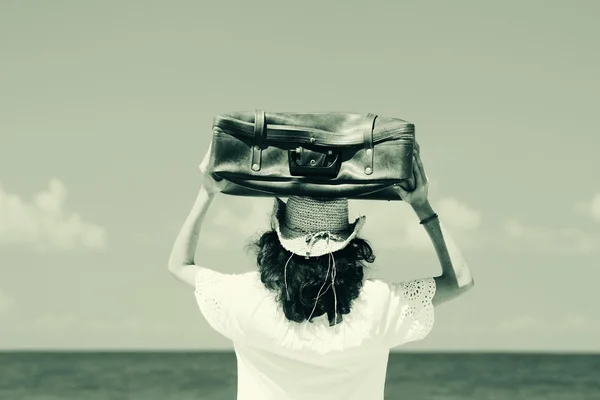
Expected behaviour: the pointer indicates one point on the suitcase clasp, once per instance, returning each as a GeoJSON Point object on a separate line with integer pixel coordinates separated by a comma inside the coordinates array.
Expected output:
{"type": "Point", "coordinates": [309, 163]}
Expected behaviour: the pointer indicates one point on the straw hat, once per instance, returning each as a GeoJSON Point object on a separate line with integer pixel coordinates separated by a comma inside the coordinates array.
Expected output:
{"type": "Point", "coordinates": [313, 227]}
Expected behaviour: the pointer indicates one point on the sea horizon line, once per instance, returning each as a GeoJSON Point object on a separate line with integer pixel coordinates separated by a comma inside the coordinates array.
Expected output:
{"type": "Point", "coordinates": [231, 351]}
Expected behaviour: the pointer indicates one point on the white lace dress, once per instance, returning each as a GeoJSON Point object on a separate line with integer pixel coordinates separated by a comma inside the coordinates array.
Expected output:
{"type": "Point", "coordinates": [279, 359]}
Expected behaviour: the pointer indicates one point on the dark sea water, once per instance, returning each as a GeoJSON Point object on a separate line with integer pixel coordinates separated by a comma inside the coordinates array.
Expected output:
{"type": "Point", "coordinates": [212, 376]}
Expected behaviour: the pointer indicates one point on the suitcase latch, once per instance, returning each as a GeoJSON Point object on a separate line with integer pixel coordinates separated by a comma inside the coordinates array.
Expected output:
{"type": "Point", "coordinates": [306, 162]}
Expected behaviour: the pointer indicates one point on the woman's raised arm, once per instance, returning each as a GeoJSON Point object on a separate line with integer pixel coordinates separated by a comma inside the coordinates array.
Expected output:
{"type": "Point", "coordinates": [181, 261]}
{"type": "Point", "coordinates": [456, 276]}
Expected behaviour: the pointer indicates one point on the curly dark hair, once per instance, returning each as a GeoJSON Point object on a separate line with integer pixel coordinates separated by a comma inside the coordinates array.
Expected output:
{"type": "Point", "coordinates": [306, 276]}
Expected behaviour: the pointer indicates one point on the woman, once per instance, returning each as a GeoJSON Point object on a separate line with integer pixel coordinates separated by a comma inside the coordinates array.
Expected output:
{"type": "Point", "coordinates": [307, 325]}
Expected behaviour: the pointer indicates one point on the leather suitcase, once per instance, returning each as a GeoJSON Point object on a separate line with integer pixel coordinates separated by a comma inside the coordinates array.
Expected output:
{"type": "Point", "coordinates": [325, 155]}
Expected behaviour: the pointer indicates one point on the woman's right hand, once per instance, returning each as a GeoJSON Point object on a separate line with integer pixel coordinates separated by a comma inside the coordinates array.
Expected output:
{"type": "Point", "coordinates": [418, 196]}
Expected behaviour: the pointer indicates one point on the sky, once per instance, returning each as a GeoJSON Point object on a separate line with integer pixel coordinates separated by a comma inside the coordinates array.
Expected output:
{"type": "Point", "coordinates": [107, 108]}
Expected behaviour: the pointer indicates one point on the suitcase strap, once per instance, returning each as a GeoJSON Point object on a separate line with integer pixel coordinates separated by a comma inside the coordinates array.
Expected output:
{"type": "Point", "coordinates": [259, 134]}
{"type": "Point", "coordinates": [274, 133]}
{"type": "Point", "coordinates": [260, 128]}
{"type": "Point", "coordinates": [369, 147]}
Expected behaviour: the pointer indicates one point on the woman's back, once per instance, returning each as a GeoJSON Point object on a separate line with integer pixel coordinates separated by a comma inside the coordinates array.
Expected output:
{"type": "Point", "coordinates": [277, 356]}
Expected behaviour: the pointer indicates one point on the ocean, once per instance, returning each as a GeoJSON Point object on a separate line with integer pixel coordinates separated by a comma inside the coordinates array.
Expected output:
{"type": "Point", "coordinates": [213, 375]}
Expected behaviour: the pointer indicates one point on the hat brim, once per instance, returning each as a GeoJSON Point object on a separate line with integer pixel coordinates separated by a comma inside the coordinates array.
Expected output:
{"type": "Point", "coordinates": [295, 241]}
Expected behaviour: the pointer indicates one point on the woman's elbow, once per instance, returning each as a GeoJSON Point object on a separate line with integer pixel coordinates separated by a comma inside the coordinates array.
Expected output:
{"type": "Point", "coordinates": [460, 286]}
{"type": "Point", "coordinates": [176, 267]}
{"type": "Point", "coordinates": [464, 280]}
{"type": "Point", "coordinates": [467, 285]}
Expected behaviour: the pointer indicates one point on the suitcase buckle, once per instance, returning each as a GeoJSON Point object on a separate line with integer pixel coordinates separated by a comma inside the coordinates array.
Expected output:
{"type": "Point", "coordinates": [311, 163]}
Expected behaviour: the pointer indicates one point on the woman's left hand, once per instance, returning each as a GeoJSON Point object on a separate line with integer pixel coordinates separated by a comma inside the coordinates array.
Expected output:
{"type": "Point", "coordinates": [208, 182]}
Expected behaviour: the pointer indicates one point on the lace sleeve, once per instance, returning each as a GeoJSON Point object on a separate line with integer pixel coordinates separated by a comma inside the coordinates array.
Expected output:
{"type": "Point", "coordinates": [410, 315]}
{"type": "Point", "coordinates": [216, 295]}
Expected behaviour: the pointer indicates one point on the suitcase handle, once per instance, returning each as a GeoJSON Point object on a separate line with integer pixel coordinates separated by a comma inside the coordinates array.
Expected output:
{"type": "Point", "coordinates": [305, 162]}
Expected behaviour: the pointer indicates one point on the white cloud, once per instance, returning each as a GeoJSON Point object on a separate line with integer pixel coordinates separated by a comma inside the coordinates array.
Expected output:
{"type": "Point", "coordinates": [232, 225]}
{"type": "Point", "coordinates": [254, 216]}
{"type": "Point", "coordinates": [521, 236]}
{"type": "Point", "coordinates": [595, 207]}
{"type": "Point", "coordinates": [58, 323]}
{"type": "Point", "coordinates": [521, 323]}
{"type": "Point", "coordinates": [44, 224]}
{"type": "Point", "coordinates": [55, 323]}
{"type": "Point", "coordinates": [6, 302]}
{"type": "Point", "coordinates": [590, 208]}
{"type": "Point", "coordinates": [459, 216]}
{"type": "Point", "coordinates": [394, 224]}
{"type": "Point", "coordinates": [129, 324]}
{"type": "Point", "coordinates": [527, 323]}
